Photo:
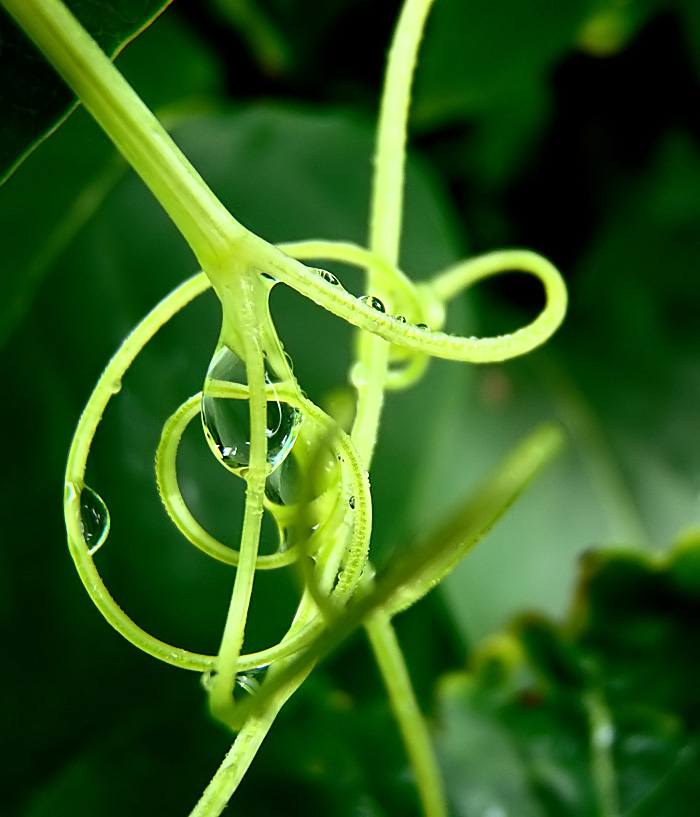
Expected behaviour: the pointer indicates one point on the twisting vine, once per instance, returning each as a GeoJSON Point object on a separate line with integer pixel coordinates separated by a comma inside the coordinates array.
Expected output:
{"type": "Point", "coordinates": [295, 460]}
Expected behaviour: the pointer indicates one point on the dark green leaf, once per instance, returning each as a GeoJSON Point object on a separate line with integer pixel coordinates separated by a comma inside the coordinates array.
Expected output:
{"type": "Point", "coordinates": [83, 167]}
{"type": "Point", "coordinates": [33, 98]}
{"type": "Point", "coordinates": [517, 733]}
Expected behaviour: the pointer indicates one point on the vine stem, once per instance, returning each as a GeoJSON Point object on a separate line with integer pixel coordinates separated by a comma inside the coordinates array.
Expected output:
{"type": "Point", "coordinates": [370, 373]}
{"type": "Point", "coordinates": [414, 729]}
{"type": "Point", "coordinates": [386, 213]}
{"type": "Point", "coordinates": [253, 731]}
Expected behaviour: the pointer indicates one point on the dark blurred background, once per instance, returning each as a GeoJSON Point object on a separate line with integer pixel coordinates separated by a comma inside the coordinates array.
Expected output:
{"type": "Point", "coordinates": [569, 128]}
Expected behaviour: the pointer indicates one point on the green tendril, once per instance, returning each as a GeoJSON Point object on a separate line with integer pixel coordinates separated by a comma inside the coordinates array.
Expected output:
{"type": "Point", "coordinates": [329, 521]}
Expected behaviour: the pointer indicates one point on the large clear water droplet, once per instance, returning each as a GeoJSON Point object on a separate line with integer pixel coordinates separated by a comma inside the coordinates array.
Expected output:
{"type": "Point", "coordinates": [94, 516]}
{"type": "Point", "coordinates": [226, 415]}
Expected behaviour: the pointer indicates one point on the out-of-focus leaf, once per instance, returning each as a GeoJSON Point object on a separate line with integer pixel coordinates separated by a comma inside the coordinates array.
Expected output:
{"type": "Point", "coordinates": [637, 299]}
{"type": "Point", "coordinates": [473, 59]}
{"type": "Point", "coordinates": [496, 73]}
{"type": "Point", "coordinates": [621, 375]}
{"type": "Point", "coordinates": [77, 169]}
{"type": "Point", "coordinates": [690, 13]}
{"type": "Point", "coordinates": [33, 98]}
{"type": "Point", "coordinates": [563, 719]}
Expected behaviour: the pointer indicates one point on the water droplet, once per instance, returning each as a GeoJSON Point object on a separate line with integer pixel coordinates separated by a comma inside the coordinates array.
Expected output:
{"type": "Point", "coordinates": [399, 318]}
{"type": "Point", "coordinates": [327, 276]}
{"type": "Point", "coordinates": [94, 518]}
{"type": "Point", "coordinates": [351, 503]}
{"type": "Point", "coordinates": [226, 415]}
{"type": "Point", "coordinates": [116, 385]}
{"type": "Point", "coordinates": [371, 301]}
{"type": "Point", "coordinates": [422, 326]}
{"type": "Point", "coordinates": [283, 485]}
{"type": "Point", "coordinates": [248, 680]}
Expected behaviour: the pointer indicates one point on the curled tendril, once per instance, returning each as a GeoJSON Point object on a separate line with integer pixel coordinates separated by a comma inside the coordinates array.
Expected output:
{"type": "Point", "coordinates": [285, 515]}
{"type": "Point", "coordinates": [344, 563]}
{"type": "Point", "coordinates": [434, 294]}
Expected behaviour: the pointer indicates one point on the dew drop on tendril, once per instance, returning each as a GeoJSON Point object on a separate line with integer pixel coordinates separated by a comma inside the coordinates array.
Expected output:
{"type": "Point", "coordinates": [351, 503]}
{"type": "Point", "coordinates": [327, 276]}
{"type": "Point", "coordinates": [248, 680]}
{"type": "Point", "coordinates": [226, 414]}
{"type": "Point", "coordinates": [399, 318]}
{"type": "Point", "coordinates": [372, 302]}
{"type": "Point", "coordinates": [94, 516]}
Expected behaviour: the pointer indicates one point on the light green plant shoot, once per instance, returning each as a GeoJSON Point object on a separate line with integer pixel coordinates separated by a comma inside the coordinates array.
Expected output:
{"type": "Point", "coordinates": [295, 460]}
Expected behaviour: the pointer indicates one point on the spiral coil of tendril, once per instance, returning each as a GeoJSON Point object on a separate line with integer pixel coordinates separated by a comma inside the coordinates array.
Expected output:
{"type": "Point", "coordinates": [329, 527]}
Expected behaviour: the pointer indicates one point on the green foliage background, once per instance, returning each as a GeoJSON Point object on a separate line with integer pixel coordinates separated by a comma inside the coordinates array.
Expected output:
{"type": "Point", "coordinates": [571, 128]}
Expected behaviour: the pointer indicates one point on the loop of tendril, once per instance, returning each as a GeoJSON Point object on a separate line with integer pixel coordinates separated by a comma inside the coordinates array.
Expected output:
{"type": "Point", "coordinates": [180, 515]}
{"type": "Point", "coordinates": [350, 561]}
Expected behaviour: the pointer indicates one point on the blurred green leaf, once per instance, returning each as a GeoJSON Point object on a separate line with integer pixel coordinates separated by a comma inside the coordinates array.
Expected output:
{"type": "Point", "coordinates": [621, 376]}
{"type": "Point", "coordinates": [474, 60]}
{"type": "Point", "coordinates": [33, 98]}
{"type": "Point", "coordinates": [516, 733]}
{"type": "Point", "coordinates": [38, 229]}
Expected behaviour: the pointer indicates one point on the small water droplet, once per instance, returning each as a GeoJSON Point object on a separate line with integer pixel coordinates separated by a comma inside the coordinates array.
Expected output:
{"type": "Point", "coordinates": [399, 318]}
{"type": "Point", "coordinates": [351, 503]}
{"type": "Point", "coordinates": [269, 278]}
{"type": "Point", "coordinates": [94, 518]}
{"type": "Point", "coordinates": [422, 326]}
{"type": "Point", "coordinates": [249, 680]}
{"type": "Point", "coordinates": [116, 385]}
{"type": "Point", "coordinates": [226, 417]}
{"type": "Point", "coordinates": [369, 571]}
{"type": "Point", "coordinates": [327, 276]}
{"type": "Point", "coordinates": [371, 301]}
